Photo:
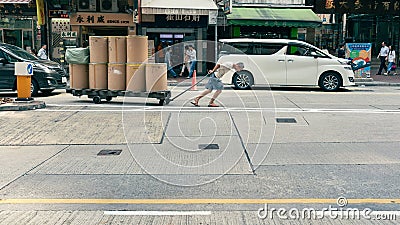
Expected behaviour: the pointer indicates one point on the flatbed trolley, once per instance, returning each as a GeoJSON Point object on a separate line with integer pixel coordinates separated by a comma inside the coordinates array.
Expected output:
{"type": "Point", "coordinates": [164, 97]}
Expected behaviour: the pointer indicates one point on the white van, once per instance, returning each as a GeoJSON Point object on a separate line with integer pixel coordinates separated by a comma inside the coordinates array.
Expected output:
{"type": "Point", "coordinates": [284, 62]}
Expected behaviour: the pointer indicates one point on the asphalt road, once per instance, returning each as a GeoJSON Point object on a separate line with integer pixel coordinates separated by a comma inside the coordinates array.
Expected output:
{"type": "Point", "coordinates": [290, 148]}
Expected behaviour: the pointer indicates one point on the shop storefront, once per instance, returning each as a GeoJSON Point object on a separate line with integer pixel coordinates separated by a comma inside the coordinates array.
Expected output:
{"type": "Point", "coordinates": [18, 24]}
{"type": "Point", "coordinates": [87, 24]}
{"type": "Point", "coordinates": [172, 22]}
{"type": "Point", "coordinates": [262, 22]}
{"type": "Point", "coordinates": [374, 29]}
{"type": "Point", "coordinates": [364, 21]}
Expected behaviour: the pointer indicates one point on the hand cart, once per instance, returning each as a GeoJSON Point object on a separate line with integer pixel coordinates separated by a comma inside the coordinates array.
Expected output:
{"type": "Point", "coordinates": [98, 95]}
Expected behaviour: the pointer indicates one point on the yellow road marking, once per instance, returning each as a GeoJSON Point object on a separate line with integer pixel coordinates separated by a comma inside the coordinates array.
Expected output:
{"type": "Point", "coordinates": [196, 201]}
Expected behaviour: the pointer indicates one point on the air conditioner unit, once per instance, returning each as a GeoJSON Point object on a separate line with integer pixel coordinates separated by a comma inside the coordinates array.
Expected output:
{"type": "Point", "coordinates": [109, 6]}
{"type": "Point", "coordinates": [87, 5]}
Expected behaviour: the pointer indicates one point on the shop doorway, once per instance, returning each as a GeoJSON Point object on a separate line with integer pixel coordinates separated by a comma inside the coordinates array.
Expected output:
{"type": "Point", "coordinates": [101, 31]}
{"type": "Point", "coordinates": [163, 40]}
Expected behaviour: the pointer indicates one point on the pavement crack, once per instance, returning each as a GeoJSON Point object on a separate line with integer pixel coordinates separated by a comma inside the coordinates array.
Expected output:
{"type": "Point", "coordinates": [375, 107]}
{"type": "Point", "coordinates": [293, 103]}
{"type": "Point", "coordinates": [243, 145]}
{"type": "Point", "coordinates": [15, 179]}
{"type": "Point", "coordinates": [165, 128]}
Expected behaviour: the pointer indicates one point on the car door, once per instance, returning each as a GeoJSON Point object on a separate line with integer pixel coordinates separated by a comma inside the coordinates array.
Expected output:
{"type": "Point", "coordinates": [269, 60]}
{"type": "Point", "coordinates": [7, 68]}
{"type": "Point", "coordinates": [301, 65]}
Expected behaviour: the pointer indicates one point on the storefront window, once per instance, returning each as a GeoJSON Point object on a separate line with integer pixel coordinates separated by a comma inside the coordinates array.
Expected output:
{"type": "Point", "coordinates": [16, 31]}
{"type": "Point", "coordinates": [13, 37]}
{"type": "Point", "coordinates": [28, 39]}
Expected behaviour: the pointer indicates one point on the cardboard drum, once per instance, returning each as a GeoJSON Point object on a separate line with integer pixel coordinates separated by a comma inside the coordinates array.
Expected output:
{"type": "Point", "coordinates": [98, 76]}
{"type": "Point", "coordinates": [117, 49]}
{"type": "Point", "coordinates": [116, 76]}
{"type": "Point", "coordinates": [79, 76]}
{"type": "Point", "coordinates": [137, 49]}
{"type": "Point", "coordinates": [98, 49]}
{"type": "Point", "coordinates": [156, 77]}
{"type": "Point", "coordinates": [135, 77]}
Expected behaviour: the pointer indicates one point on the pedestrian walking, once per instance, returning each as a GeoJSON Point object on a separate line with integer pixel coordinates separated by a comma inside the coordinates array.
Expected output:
{"type": "Point", "coordinates": [391, 58]}
{"type": "Point", "coordinates": [341, 52]}
{"type": "Point", "coordinates": [167, 60]}
{"type": "Point", "coordinates": [192, 60]}
{"type": "Point", "coordinates": [42, 54]}
{"type": "Point", "coordinates": [214, 83]}
{"type": "Point", "coordinates": [185, 61]}
{"type": "Point", "coordinates": [383, 53]}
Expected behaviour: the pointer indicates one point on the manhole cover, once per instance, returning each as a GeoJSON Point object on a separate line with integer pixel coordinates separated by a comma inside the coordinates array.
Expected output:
{"type": "Point", "coordinates": [109, 152]}
{"type": "Point", "coordinates": [286, 120]}
{"type": "Point", "coordinates": [208, 146]}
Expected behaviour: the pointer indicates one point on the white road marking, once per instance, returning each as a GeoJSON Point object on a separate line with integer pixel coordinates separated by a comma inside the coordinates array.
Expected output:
{"type": "Point", "coordinates": [157, 213]}
{"type": "Point", "coordinates": [221, 109]}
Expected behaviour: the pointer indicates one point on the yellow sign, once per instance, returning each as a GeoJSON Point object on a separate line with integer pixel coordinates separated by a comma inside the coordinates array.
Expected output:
{"type": "Point", "coordinates": [40, 12]}
{"type": "Point", "coordinates": [101, 19]}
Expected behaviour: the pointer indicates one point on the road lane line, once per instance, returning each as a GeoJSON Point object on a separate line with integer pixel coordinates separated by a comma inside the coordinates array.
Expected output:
{"type": "Point", "coordinates": [157, 213]}
{"type": "Point", "coordinates": [197, 201]}
{"type": "Point", "coordinates": [352, 111]}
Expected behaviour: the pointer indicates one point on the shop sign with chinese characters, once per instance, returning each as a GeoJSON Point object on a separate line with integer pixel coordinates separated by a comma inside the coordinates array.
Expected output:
{"type": "Point", "coordinates": [358, 6]}
{"type": "Point", "coordinates": [101, 19]}
{"type": "Point", "coordinates": [176, 20]}
{"type": "Point", "coordinates": [186, 18]}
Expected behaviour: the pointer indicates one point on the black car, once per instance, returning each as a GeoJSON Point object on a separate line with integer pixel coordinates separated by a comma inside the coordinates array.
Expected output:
{"type": "Point", "coordinates": [47, 75]}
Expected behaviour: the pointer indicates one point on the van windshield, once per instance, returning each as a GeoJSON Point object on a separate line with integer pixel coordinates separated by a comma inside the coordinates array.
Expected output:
{"type": "Point", "coordinates": [19, 52]}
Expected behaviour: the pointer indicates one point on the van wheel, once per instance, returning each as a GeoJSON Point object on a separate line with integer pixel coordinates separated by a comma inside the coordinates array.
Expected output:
{"type": "Point", "coordinates": [243, 80]}
{"type": "Point", "coordinates": [330, 81]}
{"type": "Point", "coordinates": [34, 87]}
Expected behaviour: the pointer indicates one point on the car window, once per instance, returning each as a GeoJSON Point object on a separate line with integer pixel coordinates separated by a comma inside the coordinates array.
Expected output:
{"type": "Point", "coordinates": [266, 48]}
{"type": "Point", "coordinates": [19, 52]}
{"type": "Point", "coordinates": [10, 58]}
{"type": "Point", "coordinates": [319, 53]}
{"type": "Point", "coordinates": [299, 50]}
{"type": "Point", "coordinates": [237, 48]}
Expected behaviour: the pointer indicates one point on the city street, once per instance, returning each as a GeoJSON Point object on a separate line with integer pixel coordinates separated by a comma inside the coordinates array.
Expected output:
{"type": "Point", "coordinates": [180, 164]}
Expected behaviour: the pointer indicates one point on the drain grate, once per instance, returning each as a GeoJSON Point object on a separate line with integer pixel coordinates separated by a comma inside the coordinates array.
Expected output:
{"type": "Point", "coordinates": [209, 146]}
{"type": "Point", "coordinates": [110, 152]}
{"type": "Point", "coordinates": [286, 120]}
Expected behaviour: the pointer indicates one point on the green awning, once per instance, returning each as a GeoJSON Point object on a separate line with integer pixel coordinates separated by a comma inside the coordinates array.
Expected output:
{"type": "Point", "coordinates": [279, 17]}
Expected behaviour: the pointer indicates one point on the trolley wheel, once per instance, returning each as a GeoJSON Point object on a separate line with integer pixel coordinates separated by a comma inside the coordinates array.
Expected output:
{"type": "Point", "coordinates": [97, 99]}
{"type": "Point", "coordinates": [161, 102]}
{"type": "Point", "coordinates": [108, 98]}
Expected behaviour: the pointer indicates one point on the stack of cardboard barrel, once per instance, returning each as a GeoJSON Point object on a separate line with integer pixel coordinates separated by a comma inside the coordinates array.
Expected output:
{"type": "Point", "coordinates": [119, 63]}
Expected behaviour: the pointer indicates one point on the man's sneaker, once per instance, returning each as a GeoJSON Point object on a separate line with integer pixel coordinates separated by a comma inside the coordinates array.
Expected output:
{"type": "Point", "coordinates": [385, 74]}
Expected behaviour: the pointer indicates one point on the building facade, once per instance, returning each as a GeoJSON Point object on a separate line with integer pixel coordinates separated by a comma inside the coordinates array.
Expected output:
{"type": "Point", "coordinates": [18, 23]}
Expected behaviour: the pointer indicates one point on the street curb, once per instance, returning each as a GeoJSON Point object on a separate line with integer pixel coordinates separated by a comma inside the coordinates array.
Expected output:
{"type": "Point", "coordinates": [376, 83]}
{"type": "Point", "coordinates": [357, 80]}
{"type": "Point", "coordinates": [23, 106]}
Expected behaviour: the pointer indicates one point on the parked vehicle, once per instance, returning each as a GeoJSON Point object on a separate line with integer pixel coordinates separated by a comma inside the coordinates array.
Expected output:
{"type": "Point", "coordinates": [284, 62]}
{"type": "Point", "coordinates": [47, 75]}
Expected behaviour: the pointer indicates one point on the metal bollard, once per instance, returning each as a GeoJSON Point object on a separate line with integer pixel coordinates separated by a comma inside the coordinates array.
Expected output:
{"type": "Point", "coordinates": [23, 71]}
